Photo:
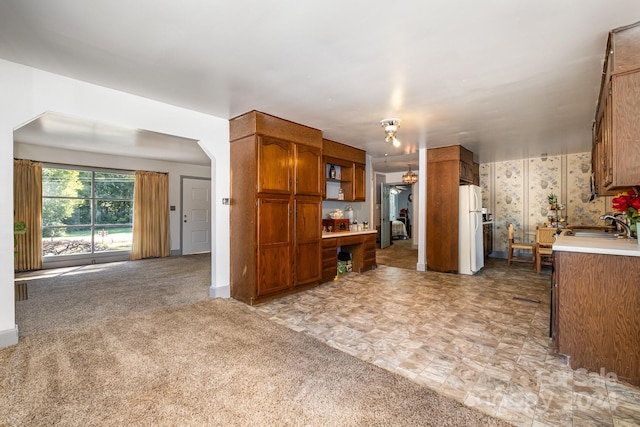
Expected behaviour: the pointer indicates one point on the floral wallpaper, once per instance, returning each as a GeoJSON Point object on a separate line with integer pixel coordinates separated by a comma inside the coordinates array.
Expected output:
{"type": "Point", "coordinates": [516, 192]}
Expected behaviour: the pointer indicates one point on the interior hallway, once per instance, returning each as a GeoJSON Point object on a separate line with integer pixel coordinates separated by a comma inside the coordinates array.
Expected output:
{"type": "Point", "coordinates": [467, 337]}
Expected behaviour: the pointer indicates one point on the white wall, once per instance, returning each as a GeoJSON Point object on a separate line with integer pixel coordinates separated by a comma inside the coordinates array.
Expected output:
{"type": "Point", "coordinates": [28, 92]}
{"type": "Point", "coordinates": [83, 158]}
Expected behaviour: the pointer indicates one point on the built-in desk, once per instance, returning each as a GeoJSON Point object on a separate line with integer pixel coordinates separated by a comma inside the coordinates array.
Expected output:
{"type": "Point", "coordinates": [361, 245]}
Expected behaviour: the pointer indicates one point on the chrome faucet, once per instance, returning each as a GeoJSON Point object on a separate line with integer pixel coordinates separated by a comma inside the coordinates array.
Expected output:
{"type": "Point", "coordinates": [627, 229]}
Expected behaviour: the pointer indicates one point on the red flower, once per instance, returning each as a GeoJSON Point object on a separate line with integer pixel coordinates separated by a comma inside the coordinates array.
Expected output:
{"type": "Point", "coordinates": [629, 204]}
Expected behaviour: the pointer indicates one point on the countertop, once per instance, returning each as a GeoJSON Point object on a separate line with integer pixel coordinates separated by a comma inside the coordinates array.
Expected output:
{"type": "Point", "coordinates": [597, 245]}
{"type": "Point", "coordinates": [332, 234]}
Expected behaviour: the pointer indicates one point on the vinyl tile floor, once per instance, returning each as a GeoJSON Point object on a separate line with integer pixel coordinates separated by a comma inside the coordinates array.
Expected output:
{"type": "Point", "coordinates": [482, 340]}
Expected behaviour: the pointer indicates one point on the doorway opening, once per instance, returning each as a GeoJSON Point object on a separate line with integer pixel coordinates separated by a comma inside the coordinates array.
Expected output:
{"type": "Point", "coordinates": [396, 213]}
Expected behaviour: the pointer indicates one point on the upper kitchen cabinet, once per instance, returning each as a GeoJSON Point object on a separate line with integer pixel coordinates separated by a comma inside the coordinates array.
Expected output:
{"type": "Point", "coordinates": [308, 170]}
{"type": "Point", "coordinates": [344, 172]}
{"type": "Point", "coordinates": [284, 166]}
{"type": "Point", "coordinates": [274, 165]}
{"type": "Point", "coordinates": [616, 135]}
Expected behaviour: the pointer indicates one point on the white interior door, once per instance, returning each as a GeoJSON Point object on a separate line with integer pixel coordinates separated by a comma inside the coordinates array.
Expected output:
{"type": "Point", "coordinates": [196, 215]}
{"type": "Point", "coordinates": [385, 226]}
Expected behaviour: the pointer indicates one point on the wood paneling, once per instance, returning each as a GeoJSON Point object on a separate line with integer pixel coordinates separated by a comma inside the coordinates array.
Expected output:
{"type": "Point", "coordinates": [597, 308]}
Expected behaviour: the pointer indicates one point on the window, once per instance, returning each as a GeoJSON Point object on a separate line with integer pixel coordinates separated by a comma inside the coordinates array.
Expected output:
{"type": "Point", "coordinates": [86, 211]}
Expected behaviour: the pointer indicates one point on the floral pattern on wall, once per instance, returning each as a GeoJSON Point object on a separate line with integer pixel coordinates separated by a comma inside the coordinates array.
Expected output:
{"type": "Point", "coordinates": [580, 210]}
{"type": "Point", "coordinates": [508, 204]}
{"type": "Point", "coordinates": [520, 189]}
{"type": "Point", "coordinates": [544, 179]}
{"type": "Point", "coordinates": [485, 173]}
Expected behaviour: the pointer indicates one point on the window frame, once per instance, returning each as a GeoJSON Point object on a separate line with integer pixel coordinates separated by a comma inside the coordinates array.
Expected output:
{"type": "Point", "coordinates": [53, 261]}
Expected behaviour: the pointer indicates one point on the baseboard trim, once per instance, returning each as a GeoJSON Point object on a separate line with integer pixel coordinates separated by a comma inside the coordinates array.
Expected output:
{"type": "Point", "coordinates": [220, 291]}
{"type": "Point", "coordinates": [9, 337]}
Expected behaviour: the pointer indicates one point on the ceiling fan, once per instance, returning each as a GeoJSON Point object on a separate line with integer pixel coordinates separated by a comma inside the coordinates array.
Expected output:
{"type": "Point", "coordinates": [390, 128]}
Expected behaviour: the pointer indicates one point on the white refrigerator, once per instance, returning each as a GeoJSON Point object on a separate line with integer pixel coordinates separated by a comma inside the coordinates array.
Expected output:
{"type": "Point", "coordinates": [470, 247]}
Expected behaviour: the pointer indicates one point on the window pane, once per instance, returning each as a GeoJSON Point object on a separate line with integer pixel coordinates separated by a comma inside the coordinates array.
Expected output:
{"type": "Point", "coordinates": [66, 241]}
{"type": "Point", "coordinates": [66, 212]}
{"type": "Point", "coordinates": [114, 212]}
{"type": "Point", "coordinates": [66, 183]}
{"type": "Point", "coordinates": [113, 238]}
{"type": "Point", "coordinates": [114, 185]}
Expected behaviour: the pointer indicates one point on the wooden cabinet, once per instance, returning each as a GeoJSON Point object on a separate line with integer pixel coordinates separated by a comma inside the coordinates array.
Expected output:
{"type": "Point", "coordinates": [340, 187]}
{"type": "Point", "coordinates": [308, 170]}
{"type": "Point", "coordinates": [443, 181]}
{"type": "Point", "coordinates": [596, 321]}
{"type": "Point", "coordinates": [349, 164]}
{"type": "Point", "coordinates": [369, 252]}
{"type": "Point", "coordinates": [274, 255]}
{"type": "Point", "coordinates": [476, 174]}
{"type": "Point", "coordinates": [362, 248]}
{"type": "Point", "coordinates": [359, 182]}
{"type": "Point", "coordinates": [616, 152]}
{"type": "Point", "coordinates": [276, 206]}
{"type": "Point", "coordinates": [329, 259]}
{"type": "Point", "coordinates": [274, 165]}
{"type": "Point", "coordinates": [466, 173]}
{"type": "Point", "coordinates": [487, 239]}
{"type": "Point", "coordinates": [308, 235]}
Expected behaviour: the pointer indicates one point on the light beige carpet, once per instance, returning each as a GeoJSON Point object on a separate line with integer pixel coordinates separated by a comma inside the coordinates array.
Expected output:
{"type": "Point", "coordinates": [211, 362]}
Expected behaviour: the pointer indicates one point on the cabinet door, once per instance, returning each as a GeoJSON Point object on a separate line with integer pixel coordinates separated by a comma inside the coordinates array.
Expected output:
{"type": "Point", "coordinates": [308, 235]}
{"type": "Point", "coordinates": [359, 182]}
{"type": "Point", "coordinates": [369, 252]}
{"type": "Point", "coordinates": [607, 166]}
{"type": "Point", "coordinates": [466, 173]}
{"type": "Point", "coordinates": [329, 259]}
{"type": "Point", "coordinates": [274, 165]}
{"type": "Point", "coordinates": [625, 137]}
{"type": "Point", "coordinates": [274, 245]}
{"type": "Point", "coordinates": [308, 171]}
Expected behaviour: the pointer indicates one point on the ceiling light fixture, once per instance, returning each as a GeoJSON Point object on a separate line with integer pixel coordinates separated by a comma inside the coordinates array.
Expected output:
{"type": "Point", "coordinates": [390, 128]}
{"type": "Point", "coordinates": [410, 177]}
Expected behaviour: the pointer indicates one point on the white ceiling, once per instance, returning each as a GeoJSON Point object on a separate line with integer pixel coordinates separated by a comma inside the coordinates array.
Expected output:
{"type": "Point", "coordinates": [506, 79]}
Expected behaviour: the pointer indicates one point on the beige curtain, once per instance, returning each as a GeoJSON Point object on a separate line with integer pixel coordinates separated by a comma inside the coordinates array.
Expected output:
{"type": "Point", "coordinates": [150, 215]}
{"type": "Point", "coordinates": [27, 207]}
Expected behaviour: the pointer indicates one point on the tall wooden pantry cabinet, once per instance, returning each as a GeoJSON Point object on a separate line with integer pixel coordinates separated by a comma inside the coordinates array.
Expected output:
{"type": "Point", "coordinates": [447, 169]}
{"type": "Point", "coordinates": [276, 206]}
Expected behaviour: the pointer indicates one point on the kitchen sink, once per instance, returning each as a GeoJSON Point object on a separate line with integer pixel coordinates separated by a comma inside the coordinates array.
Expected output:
{"type": "Point", "coordinates": [593, 233]}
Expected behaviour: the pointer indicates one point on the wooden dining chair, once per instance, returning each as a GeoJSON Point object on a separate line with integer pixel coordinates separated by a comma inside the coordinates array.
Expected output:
{"type": "Point", "coordinates": [545, 237]}
{"type": "Point", "coordinates": [526, 251]}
